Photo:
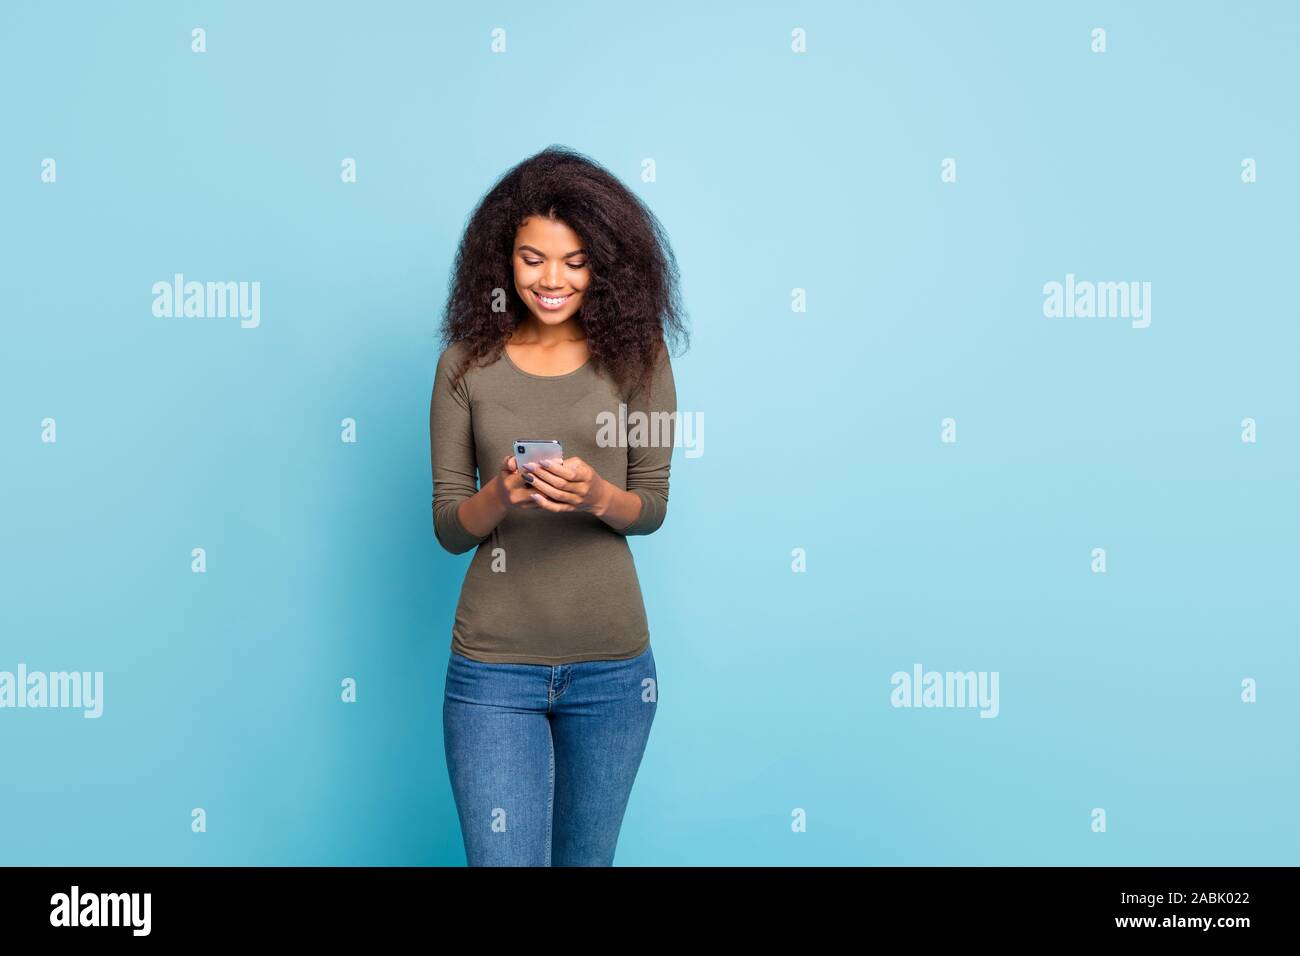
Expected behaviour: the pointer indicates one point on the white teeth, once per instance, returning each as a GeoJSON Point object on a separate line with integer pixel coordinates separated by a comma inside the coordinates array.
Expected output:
{"type": "Point", "coordinates": [548, 300]}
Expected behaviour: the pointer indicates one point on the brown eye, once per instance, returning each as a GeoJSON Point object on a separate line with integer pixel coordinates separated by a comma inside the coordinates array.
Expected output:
{"type": "Point", "coordinates": [532, 263]}
{"type": "Point", "coordinates": [577, 265]}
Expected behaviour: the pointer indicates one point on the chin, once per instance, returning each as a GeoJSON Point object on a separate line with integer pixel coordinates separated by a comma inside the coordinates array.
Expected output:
{"type": "Point", "coordinates": [555, 318]}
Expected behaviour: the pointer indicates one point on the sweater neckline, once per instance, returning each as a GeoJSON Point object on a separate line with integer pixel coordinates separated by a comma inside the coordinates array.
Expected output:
{"type": "Point", "coordinates": [546, 378]}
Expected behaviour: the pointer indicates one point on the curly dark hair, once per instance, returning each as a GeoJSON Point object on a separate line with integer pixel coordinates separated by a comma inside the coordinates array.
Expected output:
{"type": "Point", "coordinates": [630, 310]}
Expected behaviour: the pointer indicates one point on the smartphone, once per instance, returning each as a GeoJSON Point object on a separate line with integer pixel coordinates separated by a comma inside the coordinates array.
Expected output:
{"type": "Point", "coordinates": [537, 450]}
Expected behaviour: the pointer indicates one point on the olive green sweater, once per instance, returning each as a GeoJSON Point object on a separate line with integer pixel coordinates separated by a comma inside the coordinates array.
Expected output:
{"type": "Point", "coordinates": [549, 587]}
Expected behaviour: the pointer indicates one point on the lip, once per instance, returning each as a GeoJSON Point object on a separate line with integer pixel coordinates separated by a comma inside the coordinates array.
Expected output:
{"type": "Point", "coordinates": [537, 297]}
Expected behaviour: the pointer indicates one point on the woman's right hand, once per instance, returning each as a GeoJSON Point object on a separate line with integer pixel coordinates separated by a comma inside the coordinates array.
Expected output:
{"type": "Point", "coordinates": [512, 490]}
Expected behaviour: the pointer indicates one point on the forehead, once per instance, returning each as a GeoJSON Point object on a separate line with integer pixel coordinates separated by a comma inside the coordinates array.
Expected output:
{"type": "Point", "coordinates": [548, 235]}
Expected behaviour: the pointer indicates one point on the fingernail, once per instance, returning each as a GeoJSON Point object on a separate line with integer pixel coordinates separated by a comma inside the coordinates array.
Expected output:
{"type": "Point", "coordinates": [531, 466]}
{"type": "Point", "coordinates": [528, 477]}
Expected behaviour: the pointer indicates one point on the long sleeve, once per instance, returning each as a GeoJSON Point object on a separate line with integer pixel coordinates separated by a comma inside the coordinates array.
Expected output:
{"type": "Point", "coordinates": [652, 425]}
{"type": "Point", "coordinates": [452, 457]}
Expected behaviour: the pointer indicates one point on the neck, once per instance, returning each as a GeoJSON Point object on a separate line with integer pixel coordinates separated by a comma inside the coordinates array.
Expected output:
{"type": "Point", "coordinates": [532, 332]}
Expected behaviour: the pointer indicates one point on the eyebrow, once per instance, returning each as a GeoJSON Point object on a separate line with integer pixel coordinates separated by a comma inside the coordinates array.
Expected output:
{"type": "Point", "coordinates": [575, 252]}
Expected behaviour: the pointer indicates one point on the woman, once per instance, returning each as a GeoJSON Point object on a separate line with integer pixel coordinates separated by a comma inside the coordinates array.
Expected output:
{"type": "Point", "coordinates": [563, 296]}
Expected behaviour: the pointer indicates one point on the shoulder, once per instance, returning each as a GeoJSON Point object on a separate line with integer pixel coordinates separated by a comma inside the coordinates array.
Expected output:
{"type": "Point", "coordinates": [451, 374]}
{"type": "Point", "coordinates": [659, 381]}
{"type": "Point", "coordinates": [662, 365]}
{"type": "Point", "coordinates": [452, 361]}
{"type": "Point", "coordinates": [452, 356]}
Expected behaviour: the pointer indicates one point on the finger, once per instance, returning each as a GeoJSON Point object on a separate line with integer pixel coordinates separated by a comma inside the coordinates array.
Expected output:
{"type": "Point", "coordinates": [542, 475]}
{"type": "Point", "coordinates": [567, 468]}
{"type": "Point", "coordinates": [550, 486]}
{"type": "Point", "coordinates": [511, 464]}
{"type": "Point", "coordinates": [548, 505]}
{"type": "Point", "coordinates": [559, 476]}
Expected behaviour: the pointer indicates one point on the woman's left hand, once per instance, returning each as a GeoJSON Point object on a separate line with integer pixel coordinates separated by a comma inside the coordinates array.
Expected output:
{"type": "Point", "coordinates": [568, 485]}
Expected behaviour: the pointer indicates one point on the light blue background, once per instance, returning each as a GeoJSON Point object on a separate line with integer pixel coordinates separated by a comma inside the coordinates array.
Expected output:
{"type": "Point", "coordinates": [775, 171]}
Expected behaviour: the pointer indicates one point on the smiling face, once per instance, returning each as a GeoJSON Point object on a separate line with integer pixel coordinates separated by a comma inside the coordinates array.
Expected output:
{"type": "Point", "coordinates": [551, 270]}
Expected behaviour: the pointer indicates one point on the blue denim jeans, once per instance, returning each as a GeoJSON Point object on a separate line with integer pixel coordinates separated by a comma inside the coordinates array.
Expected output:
{"type": "Point", "coordinates": [542, 757]}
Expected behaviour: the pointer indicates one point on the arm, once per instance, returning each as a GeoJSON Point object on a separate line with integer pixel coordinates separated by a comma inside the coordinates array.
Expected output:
{"type": "Point", "coordinates": [617, 508]}
{"type": "Point", "coordinates": [642, 507]}
{"type": "Point", "coordinates": [463, 514]}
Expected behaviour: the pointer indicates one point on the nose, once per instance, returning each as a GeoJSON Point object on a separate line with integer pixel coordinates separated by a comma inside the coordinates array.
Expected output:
{"type": "Point", "coordinates": [551, 276]}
